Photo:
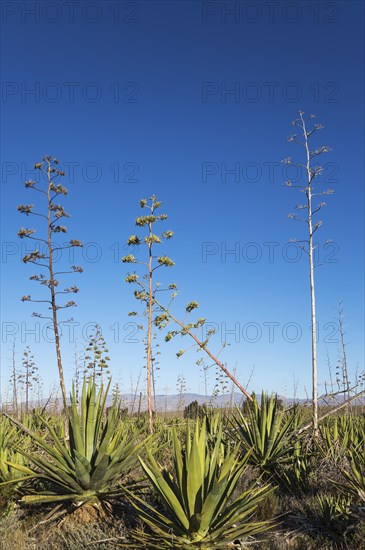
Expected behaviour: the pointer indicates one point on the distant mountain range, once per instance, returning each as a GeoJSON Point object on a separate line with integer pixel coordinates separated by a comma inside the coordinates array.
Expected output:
{"type": "Point", "coordinates": [171, 403]}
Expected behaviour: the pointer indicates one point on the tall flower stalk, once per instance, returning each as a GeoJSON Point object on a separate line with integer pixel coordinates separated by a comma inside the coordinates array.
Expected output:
{"type": "Point", "coordinates": [312, 172]}
{"type": "Point", "coordinates": [158, 314]}
{"type": "Point", "coordinates": [28, 376]}
{"type": "Point", "coordinates": [51, 190]}
{"type": "Point", "coordinates": [97, 358]}
{"type": "Point", "coordinates": [191, 329]}
{"type": "Point", "coordinates": [147, 288]}
{"type": "Point", "coordinates": [14, 381]}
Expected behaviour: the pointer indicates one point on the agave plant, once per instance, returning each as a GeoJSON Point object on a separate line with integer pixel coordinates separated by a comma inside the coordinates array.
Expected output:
{"type": "Point", "coordinates": [36, 422]}
{"type": "Point", "coordinates": [340, 434]}
{"type": "Point", "coordinates": [196, 496]}
{"type": "Point", "coordinates": [332, 508]}
{"type": "Point", "coordinates": [355, 477]}
{"type": "Point", "coordinates": [93, 464]}
{"type": "Point", "coordinates": [267, 432]}
{"type": "Point", "coordinates": [9, 491]}
{"type": "Point", "coordinates": [9, 439]}
{"type": "Point", "coordinates": [295, 476]}
{"type": "Point", "coordinates": [9, 460]}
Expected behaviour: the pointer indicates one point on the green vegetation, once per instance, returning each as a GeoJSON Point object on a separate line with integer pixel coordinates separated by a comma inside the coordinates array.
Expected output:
{"type": "Point", "coordinates": [203, 478]}
{"type": "Point", "coordinates": [198, 511]}
{"type": "Point", "coordinates": [222, 478]}
{"type": "Point", "coordinates": [91, 464]}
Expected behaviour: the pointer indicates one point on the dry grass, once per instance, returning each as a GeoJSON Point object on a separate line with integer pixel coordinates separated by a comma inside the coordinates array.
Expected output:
{"type": "Point", "coordinates": [21, 533]}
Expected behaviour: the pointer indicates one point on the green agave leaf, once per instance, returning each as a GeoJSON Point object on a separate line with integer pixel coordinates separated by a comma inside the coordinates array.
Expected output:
{"type": "Point", "coordinates": [178, 460]}
{"type": "Point", "coordinates": [17, 480]}
{"type": "Point", "coordinates": [164, 489]}
{"type": "Point", "coordinates": [264, 418]}
{"type": "Point", "coordinates": [228, 535]}
{"type": "Point", "coordinates": [230, 462]}
{"type": "Point", "coordinates": [195, 470]}
{"type": "Point", "coordinates": [53, 472]}
{"type": "Point", "coordinates": [90, 420]}
{"type": "Point", "coordinates": [61, 447]}
{"type": "Point", "coordinates": [217, 499]}
{"type": "Point", "coordinates": [126, 454]}
{"type": "Point", "coordinates": [54, 453]}
{"type": "Point", "coordinates": [20, 468]}
{"type": "Point", "coordinates": [101, 402]}
{"type": "Point", "coordinates": [162, 521]}
{"type": "Point", "coordinates": [99, 475]}
{"type": "Point", "coordinates": [44, 499]}
{"type": "Point", "coordinates": [243, 507]}
{"type": "Point", "coordinates": [76, 438]}
{"type": "Point", "coordinates": [256, 435]}
{"type": "Point", "coordinates": [86, 464]}
{"type": "Point", "coordinates": [212, 463]}
{"type": "Point", "coordinates": [82, 470]}
{"type": "Point", "coordinates": [106, 438]}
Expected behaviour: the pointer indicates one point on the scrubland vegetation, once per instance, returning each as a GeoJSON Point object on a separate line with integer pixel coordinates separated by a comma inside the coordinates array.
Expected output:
{"type": "Point", "coordinates": [265, 474]}
{"type": "Point", "coordinates": [219, 479]}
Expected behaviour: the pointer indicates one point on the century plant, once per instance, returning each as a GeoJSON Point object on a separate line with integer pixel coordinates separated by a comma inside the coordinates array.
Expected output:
{"type": "Point", "coordinates": [215, 391]}
{"type": "Point", "coordinates": [93, 464]}
{"type": "Point", "coordinates": [295, 473]}
{"type": "Point", "coordinates": [267, 432]}
{"type": "Point", "coordinates": [223, 385]}
{"type": "Point", "coordinates": [204, 367]}
{"type": "Point", "coordinates": [307, 213]}
{"type": "Point", "coordinates": [340, 434]}
{"type": "Point", "coordinates": [191, 329]}
{"type": "Point", "coordinates": [355, 475]}
{"type": "Point", "coordinates": [77, 370]}
{"type": "Point", "coordinates": [97, 355]}
{"type": "Point", "coordinates": [9, 493]}
{"type": "Point", "coordinates": [116, 394]}
{"type": "Point", "coordinates": [29, 375]}
{"type": "Point", "coordinates": [45, 257]}
{"type": "Point", "coordinates": [181, 389]}
{"type": "Point", "coordinates": [8, 440]}
{"type": "Point", "coordinates": [157, 313]}
{"type": "Point", "coordinates": [329, 510]}
{"type": "Point", "coordinates": [198, 510]}
{"type": "Point", "coordinates": [342, 362]}
{"type": "Point", "coordinates": [147, 287]}
{"type": "Point", "coordinates": [14, 381]}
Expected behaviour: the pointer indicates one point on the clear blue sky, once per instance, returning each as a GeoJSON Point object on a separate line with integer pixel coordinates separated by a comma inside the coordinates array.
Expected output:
{"type": "Point", "coordinates": [168, 98]}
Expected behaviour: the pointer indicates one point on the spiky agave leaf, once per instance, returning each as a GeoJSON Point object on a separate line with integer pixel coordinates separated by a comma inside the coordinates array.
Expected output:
{"type": "Point", "coordinates": [355, 476]}
{"type": "Point", "coordinates": [340, 434]}
{"type": "Point", "coordinates": [267, 432]}
{"type": "Point", "coordinates": [93, 464]}
{"type": "Point", "coordinates": [196, 495]}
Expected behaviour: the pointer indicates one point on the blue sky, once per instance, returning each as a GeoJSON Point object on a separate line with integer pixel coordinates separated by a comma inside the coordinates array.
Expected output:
{"type": "Point", "coordinates": [136, 98]}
